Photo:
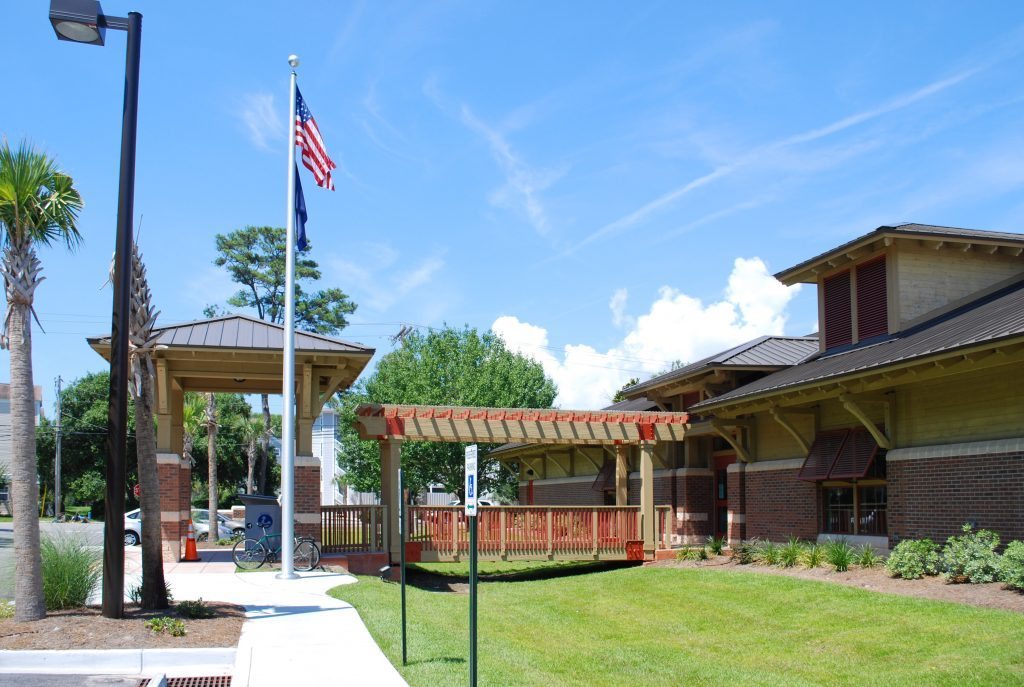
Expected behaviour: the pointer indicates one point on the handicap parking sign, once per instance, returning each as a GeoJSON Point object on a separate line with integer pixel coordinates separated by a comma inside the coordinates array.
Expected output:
{"type": "Point", "coordinates": [264, 520]}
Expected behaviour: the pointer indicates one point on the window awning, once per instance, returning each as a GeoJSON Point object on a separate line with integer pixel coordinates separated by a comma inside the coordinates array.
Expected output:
{"type": "Point", "coordinates": [839, 454]}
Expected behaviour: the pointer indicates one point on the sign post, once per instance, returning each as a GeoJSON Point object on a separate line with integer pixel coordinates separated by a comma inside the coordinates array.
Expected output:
{"type": "Point", "coordinates": [472, 489]}
{"type": "Point", "coordinates": [401, 535]}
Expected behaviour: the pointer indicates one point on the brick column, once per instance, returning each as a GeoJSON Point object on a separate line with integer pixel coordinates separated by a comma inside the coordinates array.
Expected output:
{"type": "Point", "coordinates": [307, 497]}
{"type": "Point", "coordinates": [737, 485]}
{"type": "Point", "coordinates": [175, 477]}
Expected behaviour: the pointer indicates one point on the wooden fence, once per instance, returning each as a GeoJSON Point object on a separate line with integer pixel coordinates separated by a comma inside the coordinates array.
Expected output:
{"type": "Point", "coordinates": [440, 533]}
{"type": "Point", "coordinates": [352, 529]}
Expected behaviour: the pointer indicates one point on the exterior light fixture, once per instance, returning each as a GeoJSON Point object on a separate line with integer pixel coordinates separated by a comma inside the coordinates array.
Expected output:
{"type": "Point", "coordinates": [83, 21]}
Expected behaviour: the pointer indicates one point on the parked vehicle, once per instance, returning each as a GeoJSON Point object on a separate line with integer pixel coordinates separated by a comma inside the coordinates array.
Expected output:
{"type": "Point", "coordinates": [200, 521]}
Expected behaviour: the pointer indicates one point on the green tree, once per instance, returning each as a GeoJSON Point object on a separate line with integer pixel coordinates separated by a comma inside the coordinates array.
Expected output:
{"type": "Point", "coordinates": [255, 259]}
{"type": "Point", "coordinates": [84, 408]}
{"type": "Point", "coordinates": [619, 395]}
{"type": "Point", "coordinates": [444, 367]}
{"type": "Point", "coordinates": [39, 204]}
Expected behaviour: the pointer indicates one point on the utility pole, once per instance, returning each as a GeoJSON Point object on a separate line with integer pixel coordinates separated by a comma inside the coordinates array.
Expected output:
{"type": "Point", "coordinates": [58, 510]}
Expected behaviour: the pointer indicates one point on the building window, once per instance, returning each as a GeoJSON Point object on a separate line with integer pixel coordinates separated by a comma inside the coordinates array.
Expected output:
{"type": "Point", "coordinates": [838, 510]}
{"type": "Point", "coordinates": [854, 509]}
{"type": "Point", "coordinates": [863, 290]}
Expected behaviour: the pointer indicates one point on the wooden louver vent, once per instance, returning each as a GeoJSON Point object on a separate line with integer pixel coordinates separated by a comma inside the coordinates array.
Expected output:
{"type": "Point", "coordinates": [839, 454]}
{"type": "Point", "coordinates": [872, 300]}
{"type": "Point", "coordinates": [605, 480]}
{"type": "Point", "coordinates": [822, 455]}
{"type": "Point", "coordinates": [856, 456]}
{"type": "Point", "coordinates": [838, 311]}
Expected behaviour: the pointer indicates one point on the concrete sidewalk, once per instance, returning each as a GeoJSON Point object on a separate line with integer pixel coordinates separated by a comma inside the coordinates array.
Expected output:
{"type": "Point", "coordinates": [294, 633]}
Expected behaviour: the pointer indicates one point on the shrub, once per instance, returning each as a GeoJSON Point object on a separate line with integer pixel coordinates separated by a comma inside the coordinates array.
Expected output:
{"type": "Point", "coordinates": [716, 545]}
{"type": "Point", "coordinates": [839, 554]}
{"type": "Point", "coordinates": [745, 552]}
{"type": "Point", "coordinates": [71, 570]}
{"type": "Point", "coordinates": [790, 553]}
{"type": "Point", "coordinates": [1011, 566]}
{"type": "Point", "coordinates": [814, 555]}
{"type": "Point", "coordinates": [135, 593]}
{"type": "Point", "coordinates": [768, 553]}
{"type": "Point", "coordinates": [172, 626]}
{"type": "Point", "coordinates": [971, 557]}
{"type": "Point", "coordinates": [6, 609]}
{"type": "Point", "coordinates": [194, 610]}
{"type": "Point", "coordinates": [867, 557]}
{"type": "Point", "coordinates": [912, 559]}
{"type": "Point", "coordinates": [692, 553]}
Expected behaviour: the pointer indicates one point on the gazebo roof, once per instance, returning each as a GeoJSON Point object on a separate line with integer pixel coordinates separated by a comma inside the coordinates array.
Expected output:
{"type": "Point", "coordinates": [240, 332]}
{"type": "Point", "coordinates": [238, 353]}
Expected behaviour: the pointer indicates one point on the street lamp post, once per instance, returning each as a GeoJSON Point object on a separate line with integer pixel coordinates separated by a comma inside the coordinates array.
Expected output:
{"type": "Point", "coordinates": [82, 21]}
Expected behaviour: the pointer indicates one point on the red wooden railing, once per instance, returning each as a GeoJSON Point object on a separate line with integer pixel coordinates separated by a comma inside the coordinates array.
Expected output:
{"type": "Point", "coordinates": [569, 532]}
{"type": "Point", "coordinates": [353, 528]}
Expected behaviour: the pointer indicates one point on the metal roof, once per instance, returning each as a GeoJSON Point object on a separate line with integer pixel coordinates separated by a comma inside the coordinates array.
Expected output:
{"type": "Point", "coordinates": [910, 230]}
{"type": "Point", "coordinates": [243, 332]}
{"type": "Point", "coordinates": [992, 318]}
{"type": "Point", "coordinates": [764, 351]}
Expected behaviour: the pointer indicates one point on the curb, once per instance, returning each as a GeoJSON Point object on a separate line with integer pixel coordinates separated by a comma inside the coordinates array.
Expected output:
{"type": "Point", "coordinates": [118, 661]}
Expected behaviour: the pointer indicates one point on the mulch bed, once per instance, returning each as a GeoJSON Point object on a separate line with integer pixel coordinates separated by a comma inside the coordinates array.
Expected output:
{"type": "Point", "coordinates": [85, 628]}
{"type": "Point", "coordinates": [992, 595]}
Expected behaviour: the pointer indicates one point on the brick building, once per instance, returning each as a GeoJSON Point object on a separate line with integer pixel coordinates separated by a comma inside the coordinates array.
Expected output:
{"type": "Point", "coordinates": [904, 418]}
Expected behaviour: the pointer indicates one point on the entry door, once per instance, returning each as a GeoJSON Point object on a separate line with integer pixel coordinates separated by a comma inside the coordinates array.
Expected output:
{"type": "Point", "coordinates": [721, 496]}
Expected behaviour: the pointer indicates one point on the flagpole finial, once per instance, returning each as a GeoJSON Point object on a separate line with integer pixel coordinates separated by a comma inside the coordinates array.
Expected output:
{"type": "Point", "coordinates": [293, 61]}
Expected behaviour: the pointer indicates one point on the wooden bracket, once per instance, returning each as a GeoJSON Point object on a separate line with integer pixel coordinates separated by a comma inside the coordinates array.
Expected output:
{"type": "Point", "coordinates": [854, 409]}
{"type": "Point", "coordinates": [779, 417]}
{"type": "Point", "coordinates": [720, 428]}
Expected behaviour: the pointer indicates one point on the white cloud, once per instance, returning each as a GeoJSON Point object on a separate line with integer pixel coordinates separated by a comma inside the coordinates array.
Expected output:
{"type": "Point", "coordinates": [676, 326]}
{"type": "Point", "coordinates": [774, 154]}
{"type": "Point", "coordinates": [378, 276]}
{"type": "Point", "coordinates": [263, 122]}
{"type": "Point", "coordinates": [523, 184]}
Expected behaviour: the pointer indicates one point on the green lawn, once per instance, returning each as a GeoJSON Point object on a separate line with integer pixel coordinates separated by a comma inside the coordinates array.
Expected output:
{"type": "Point", "coordinates": [671, 626]}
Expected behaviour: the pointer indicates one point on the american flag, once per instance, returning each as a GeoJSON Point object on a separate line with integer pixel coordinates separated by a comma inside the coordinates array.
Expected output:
{"type": "Point", "coordinates": [314, 152]}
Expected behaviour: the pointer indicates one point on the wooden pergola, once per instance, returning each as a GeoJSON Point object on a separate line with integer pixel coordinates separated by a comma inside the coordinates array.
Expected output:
{"type": "Point", "coordinates": [390, 425]}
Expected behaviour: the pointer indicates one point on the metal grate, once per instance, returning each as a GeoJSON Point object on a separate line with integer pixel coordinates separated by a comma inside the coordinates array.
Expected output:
{"type": "Point", "coordinates": [202, 681]}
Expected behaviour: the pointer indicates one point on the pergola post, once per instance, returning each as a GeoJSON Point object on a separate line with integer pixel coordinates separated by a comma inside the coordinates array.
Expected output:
{"type": "Point", "coordinates": [622, 475]}
{"type": "Point", "coordinates": [390, 462]}
{"type": "Point", "coordinates": [647, 511]}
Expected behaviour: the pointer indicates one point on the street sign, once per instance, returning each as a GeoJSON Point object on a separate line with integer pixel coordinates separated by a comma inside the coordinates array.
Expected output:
{"type": "Point", "coordinates": [472, 485]}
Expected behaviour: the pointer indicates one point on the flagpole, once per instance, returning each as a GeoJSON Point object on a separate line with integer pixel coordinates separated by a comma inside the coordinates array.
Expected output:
{"type": "Point", "coordinates": [288, 374]}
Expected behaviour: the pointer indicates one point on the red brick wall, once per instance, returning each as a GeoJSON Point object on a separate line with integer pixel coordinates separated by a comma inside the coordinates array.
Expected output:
{"type": "Point", "coordinates": [933, 497]}
{"type": "Point", "coordinates": [170, 476]}
{"type": "Point", "coordinates": [736, 481]}
{"type": "Point", "coordinates": [695, 497]}
{"type": "Point", "coordinates": [779, 506]}
{"type": "Point", "coordinates": [566, 494]}
{"type": "Point", "coordinates": [307, 499]}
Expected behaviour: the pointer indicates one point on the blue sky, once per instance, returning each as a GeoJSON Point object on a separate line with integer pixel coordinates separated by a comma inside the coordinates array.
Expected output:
{"type": "Point", "coordinates": [609, 189]}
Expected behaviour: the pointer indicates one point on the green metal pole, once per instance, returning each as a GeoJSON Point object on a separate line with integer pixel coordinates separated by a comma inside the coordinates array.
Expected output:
{"type": "Point", "coordinates": [472, 601]}
{"type": "Point", "coordinates": [401, 535]}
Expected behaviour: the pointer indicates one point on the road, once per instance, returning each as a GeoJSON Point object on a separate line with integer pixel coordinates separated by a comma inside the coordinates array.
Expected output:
{"type": "Point", "coordinates": [89, 532]}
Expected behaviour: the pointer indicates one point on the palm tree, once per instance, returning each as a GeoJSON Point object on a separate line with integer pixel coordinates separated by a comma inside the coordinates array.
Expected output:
{"type": "Point", "coordinates": [143, 317]}
{"type": "Point", "coordinates": [38, 205]}
{"type": "Point", "coordinates": [251, 432]}
{"type": "Point", "coordinates": [193, 418]}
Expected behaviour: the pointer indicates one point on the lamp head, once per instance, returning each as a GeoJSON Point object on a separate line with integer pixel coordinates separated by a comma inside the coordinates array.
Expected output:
{"type": "Point", "coordinates": [78, 21]}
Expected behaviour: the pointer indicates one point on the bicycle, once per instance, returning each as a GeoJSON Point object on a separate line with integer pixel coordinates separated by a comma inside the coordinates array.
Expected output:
{"type": "Point", "coordinates": [250, 554]}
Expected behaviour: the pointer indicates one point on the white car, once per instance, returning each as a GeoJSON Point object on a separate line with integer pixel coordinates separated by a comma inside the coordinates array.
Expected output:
{"type": "Point", "coordinates": [200, 521]}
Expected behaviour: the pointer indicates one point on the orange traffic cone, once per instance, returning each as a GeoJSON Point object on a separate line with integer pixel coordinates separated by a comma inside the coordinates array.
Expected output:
{"type": "Point", "coordinates": [190, 544]}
